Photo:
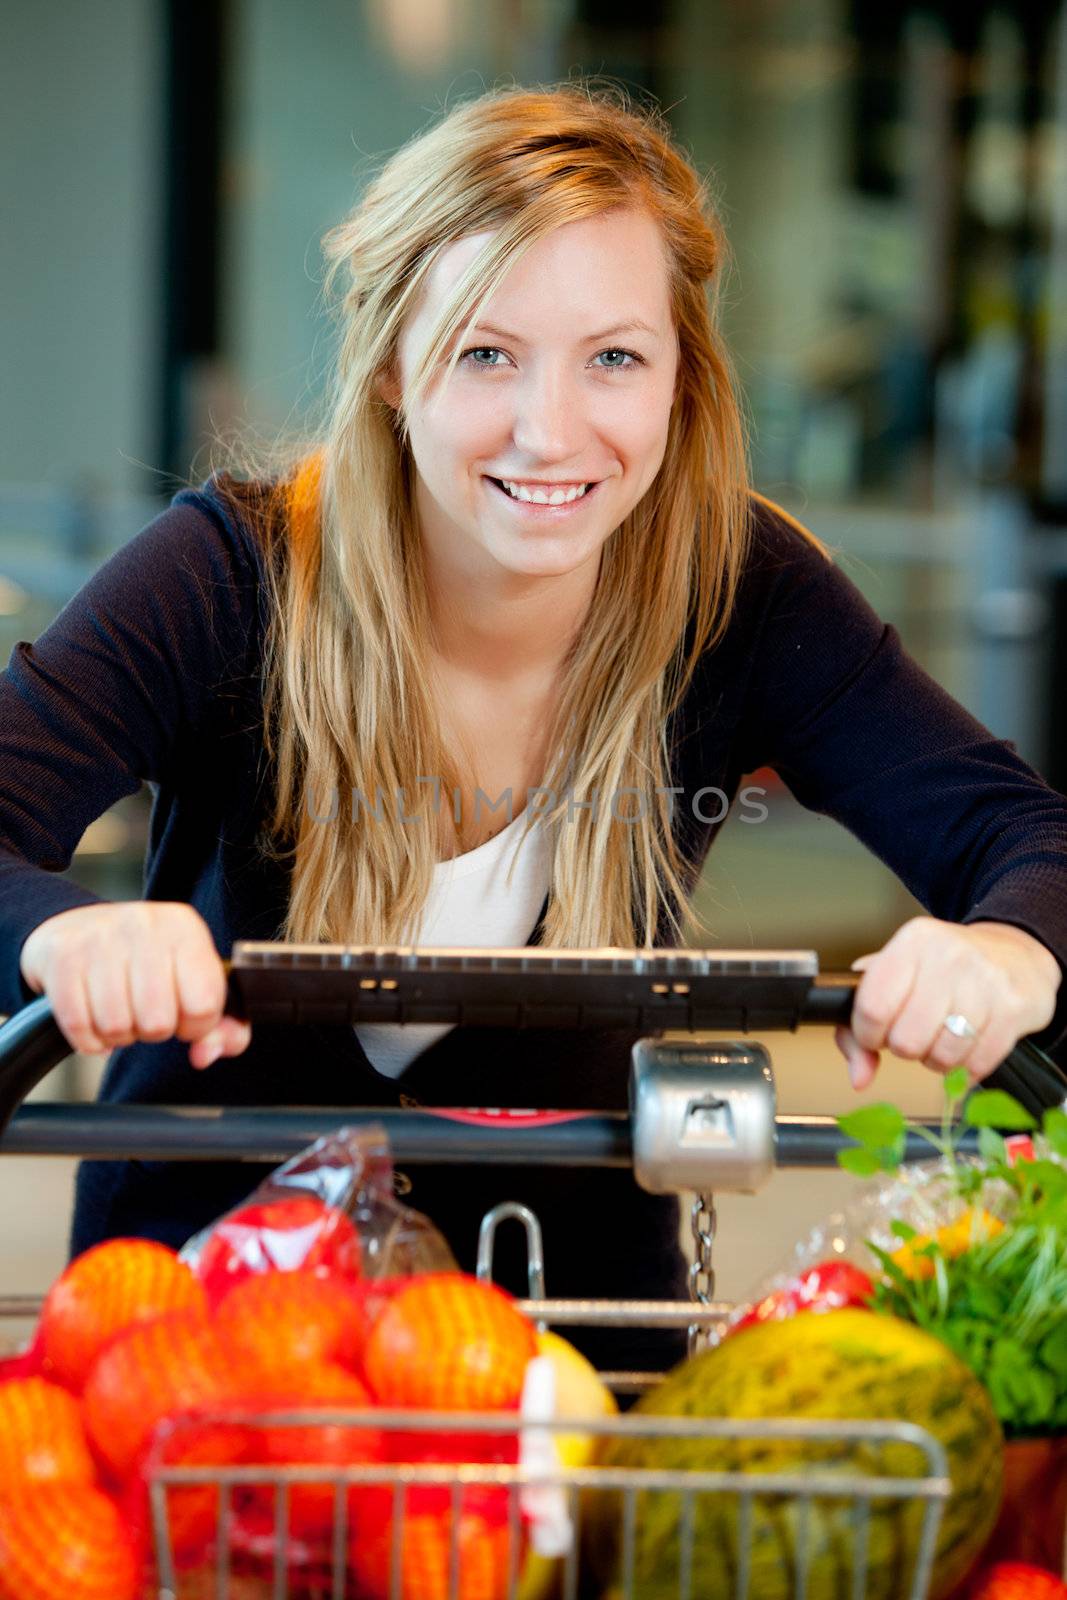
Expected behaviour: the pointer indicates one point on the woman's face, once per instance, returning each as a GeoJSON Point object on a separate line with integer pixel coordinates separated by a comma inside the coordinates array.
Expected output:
{"type": "Point", "coordinates": [562, 394]}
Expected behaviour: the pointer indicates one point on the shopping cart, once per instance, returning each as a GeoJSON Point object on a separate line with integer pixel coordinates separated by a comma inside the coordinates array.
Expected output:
{"type": "Point", "coordinates": [702, 1120]}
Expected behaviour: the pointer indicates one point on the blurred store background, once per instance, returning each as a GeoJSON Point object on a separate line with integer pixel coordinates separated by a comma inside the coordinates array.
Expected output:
{"type": "Point", "coordinates": [893, 179]}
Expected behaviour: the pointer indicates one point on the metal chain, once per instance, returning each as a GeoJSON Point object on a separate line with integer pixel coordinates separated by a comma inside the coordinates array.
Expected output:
{"type": "Point", "coordinates": [702, 1223]}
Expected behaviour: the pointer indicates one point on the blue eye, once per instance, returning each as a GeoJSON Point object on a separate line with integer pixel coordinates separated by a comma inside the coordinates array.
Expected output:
{"type": "Point", "coordinates": [489, 357]}
{"type": "Point", "coordinates": [630, 358]}
{"type": "Point", "coordinates": [482, 350]}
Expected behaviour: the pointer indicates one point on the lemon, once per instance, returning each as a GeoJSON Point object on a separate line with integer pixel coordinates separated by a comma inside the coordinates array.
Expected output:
{"type": "Point", "coordinates": [579, 1394]}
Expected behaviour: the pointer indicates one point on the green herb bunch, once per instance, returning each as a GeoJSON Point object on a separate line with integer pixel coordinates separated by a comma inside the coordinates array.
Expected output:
{"type": "Point", "coordinates": [1000, 1304]}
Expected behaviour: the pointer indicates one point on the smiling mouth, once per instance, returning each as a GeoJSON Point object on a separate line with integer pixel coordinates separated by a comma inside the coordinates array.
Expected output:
{"type": "Point", "coordinates": [553, 498]}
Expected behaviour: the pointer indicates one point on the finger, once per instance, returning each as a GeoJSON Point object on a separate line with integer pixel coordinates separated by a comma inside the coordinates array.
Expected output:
{"type": "Point", "coordinates": [230, 1038]}
{"type": "Point", "coordinates": [209, 1047]}
{"type": "Point", "coordinates": [996, 1043]}
{"type": "Point", "coordinates": [237, 1036]}
{"type": "Point", "coordinates": [950, 1049]}
{"type": "Point", "coordinates": [201, 988]}
{"type": "Point", "coordinates": [882, 995]}
{"type": "Point", "coordinates": [111, 1008]}
{"type": "Point", "coordinates": [965, 992]}
{"type": "Point", "coordinates": [204, 985]}
{"type": "Point", "coordinates": [863, 1064]}
{"type": "Point", "coordinates": [152, 994]}
{"type": "Point", "coordinates": [943, 987]}
{"type": "Point", "coordinates": [70, 1006]}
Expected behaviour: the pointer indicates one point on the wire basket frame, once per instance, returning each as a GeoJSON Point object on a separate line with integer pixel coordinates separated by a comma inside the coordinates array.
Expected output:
{"type": "Point", "coordinates": [620, 1498]}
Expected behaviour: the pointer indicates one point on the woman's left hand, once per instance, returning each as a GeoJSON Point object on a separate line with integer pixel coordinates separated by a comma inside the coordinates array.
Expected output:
{"type": "Point", "coordinates": [998, 979]}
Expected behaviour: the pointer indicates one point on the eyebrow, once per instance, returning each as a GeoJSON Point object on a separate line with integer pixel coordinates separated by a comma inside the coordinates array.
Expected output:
{"type": "Point", "coordinates": [635, 325]}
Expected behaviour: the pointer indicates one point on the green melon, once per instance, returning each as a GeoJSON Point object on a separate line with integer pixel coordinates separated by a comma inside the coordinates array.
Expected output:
{"type": "Point", "coordinates": [838, 1364]}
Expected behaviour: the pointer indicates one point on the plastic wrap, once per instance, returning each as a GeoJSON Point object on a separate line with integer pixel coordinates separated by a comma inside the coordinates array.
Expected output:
{"type": "Point", "coordinates": [923, 1196]}
{"type": "Point", "coordinates": [331, 1210]}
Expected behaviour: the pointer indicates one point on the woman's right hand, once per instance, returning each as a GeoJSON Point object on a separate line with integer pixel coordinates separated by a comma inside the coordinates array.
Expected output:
{"type": "Point", "coordinates": [134, 969]}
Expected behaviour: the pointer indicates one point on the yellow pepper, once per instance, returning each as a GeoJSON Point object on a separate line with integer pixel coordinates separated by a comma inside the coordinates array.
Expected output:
{"type": "Point", "coordinates": [954, 1238]}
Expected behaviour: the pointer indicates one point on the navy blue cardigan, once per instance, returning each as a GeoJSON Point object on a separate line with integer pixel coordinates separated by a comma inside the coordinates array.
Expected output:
{"type": "Point", "coordinates": [152, 674]}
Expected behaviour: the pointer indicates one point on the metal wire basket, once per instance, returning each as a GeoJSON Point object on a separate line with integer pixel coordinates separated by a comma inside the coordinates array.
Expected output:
{"type": "Point", "coordinates": [637, 1534]}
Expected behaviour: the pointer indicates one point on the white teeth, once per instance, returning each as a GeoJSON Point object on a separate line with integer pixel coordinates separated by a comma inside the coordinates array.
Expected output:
{"type": "Point", "coordinates": [543, 497]}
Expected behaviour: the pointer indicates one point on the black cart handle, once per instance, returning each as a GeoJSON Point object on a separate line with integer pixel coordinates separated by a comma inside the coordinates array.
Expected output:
{"type": "Point", "coordinates": [647, 993]}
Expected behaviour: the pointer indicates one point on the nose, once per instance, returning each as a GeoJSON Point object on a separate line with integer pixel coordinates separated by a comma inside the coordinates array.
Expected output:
{"type": "Point", "coordinates": [548, 423]}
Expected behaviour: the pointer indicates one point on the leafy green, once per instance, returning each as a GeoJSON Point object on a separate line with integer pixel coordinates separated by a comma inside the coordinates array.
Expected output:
{"type": "Point", "coordinates": [991, 1144]}
{"type": "Point", "coordinates": [956, 1083]}
{"type": "Point", "coordinates": [880, 1124]}
{"type": "Point", "coordinates": [1055, 1128]}
{"type": "Point", "coordinates": [1001, 1302]}
{"type": "Point", "coordinates": [992, 1108]}
{"type": "Point", "coordinates": [861, 1162]}
{"type": "Point", "coordinates": [882, 1134]}
{"type": "Point", "coordinates": [1054, 1350]}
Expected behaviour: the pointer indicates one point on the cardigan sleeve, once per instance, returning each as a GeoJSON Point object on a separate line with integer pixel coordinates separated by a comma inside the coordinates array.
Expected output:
{"type": "Point", "coordinates": [113, 694]}
{"type": "Point", "coordinates": [861, 733]}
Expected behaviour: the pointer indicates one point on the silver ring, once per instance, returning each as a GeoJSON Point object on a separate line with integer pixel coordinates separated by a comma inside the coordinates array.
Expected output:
{"type": "Point", "coordinates": [958, 1025]}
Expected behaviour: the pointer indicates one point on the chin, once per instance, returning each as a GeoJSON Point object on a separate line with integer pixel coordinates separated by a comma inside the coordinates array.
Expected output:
{"type": "Point", "coordinates": [547, 563]}
{"type": "Point", "coordinates": [540, 569]}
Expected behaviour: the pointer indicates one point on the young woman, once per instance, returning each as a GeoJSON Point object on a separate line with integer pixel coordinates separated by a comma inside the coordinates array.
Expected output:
{"type": "Point", "coordinates": [522, 558]}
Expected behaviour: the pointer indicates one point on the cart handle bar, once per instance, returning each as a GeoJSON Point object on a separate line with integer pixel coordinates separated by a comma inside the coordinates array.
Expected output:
{"type": "Point", "coordinates": [31, 1044]}
{"type": "Point", "coordinates": [272, 1134]}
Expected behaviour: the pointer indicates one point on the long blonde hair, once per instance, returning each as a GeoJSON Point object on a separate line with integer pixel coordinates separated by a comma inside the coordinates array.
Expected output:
{"type": "Point", "coordinates": [346, 668]}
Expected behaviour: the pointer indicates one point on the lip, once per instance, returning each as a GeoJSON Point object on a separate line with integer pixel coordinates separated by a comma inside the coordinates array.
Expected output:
{"type": "Point", "coordinates": [530, 508]}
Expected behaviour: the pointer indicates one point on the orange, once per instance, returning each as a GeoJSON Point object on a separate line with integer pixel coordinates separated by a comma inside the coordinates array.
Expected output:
{"type": "Point", "coordinates": [331, 1445]}
{"type": "Point", "coordinates": [448, 1446]}
{"type": "Point", "coordinates": [64, 1541]}
{"type": "Point", "coordinates": [448, 1342]}
{"type": "Point", "coordinates": [156, 1370]}
{"type": "Point", "coordinates": [484, 1555]}
{"type": "Point", "coordinates": [192, 1510]}
{"type": "Point", "coordinates": [280, 1320]}
{"type": "Point", "coordinates": [42, 1437]}
{"type": "Point", "coordinates": [110, 1288]}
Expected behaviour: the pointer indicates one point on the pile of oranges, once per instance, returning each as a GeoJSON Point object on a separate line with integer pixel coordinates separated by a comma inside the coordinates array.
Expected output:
{"type": "Point", "coordinates": [141, 1362]}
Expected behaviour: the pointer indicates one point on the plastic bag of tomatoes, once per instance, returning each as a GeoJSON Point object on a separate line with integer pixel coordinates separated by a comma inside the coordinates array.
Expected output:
{"type": "Point", "coordinates": [331, 1210]}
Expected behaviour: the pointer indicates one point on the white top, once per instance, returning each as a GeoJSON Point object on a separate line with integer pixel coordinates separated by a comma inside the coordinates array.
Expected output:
{"type": "Point", "coordinates": [470, 902]}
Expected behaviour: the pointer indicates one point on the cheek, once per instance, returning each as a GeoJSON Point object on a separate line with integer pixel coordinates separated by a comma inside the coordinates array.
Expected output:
{"type": "Point", "coordinates": [467, 428]}
{"type": "Point", "coordinates": [639, 431]}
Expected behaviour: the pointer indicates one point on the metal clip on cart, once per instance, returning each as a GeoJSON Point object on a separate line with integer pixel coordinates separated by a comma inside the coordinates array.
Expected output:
{"type": "Point", "coordinates": [702, 1121]}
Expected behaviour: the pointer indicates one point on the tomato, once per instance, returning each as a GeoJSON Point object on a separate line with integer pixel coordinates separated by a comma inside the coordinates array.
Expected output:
{"type": "Point", "coordinates": [1017, 1580]}
{"type": "Point", "coordinates": [827, 1286]}
{"type": "Point", "coordinates": [298, 1231]}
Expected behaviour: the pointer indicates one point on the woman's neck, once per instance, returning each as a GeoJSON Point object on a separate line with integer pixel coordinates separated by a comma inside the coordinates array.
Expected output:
{"type": "Point", "coordinates": [514, 629]}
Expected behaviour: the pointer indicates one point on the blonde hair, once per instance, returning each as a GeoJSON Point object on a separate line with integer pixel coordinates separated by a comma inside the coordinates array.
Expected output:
{"type": "Point", "coordinates": [345, 697]}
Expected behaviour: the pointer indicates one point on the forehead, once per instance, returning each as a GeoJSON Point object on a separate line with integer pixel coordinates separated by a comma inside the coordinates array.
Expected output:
{"type": "Point", "coordinates": [582, 276]}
